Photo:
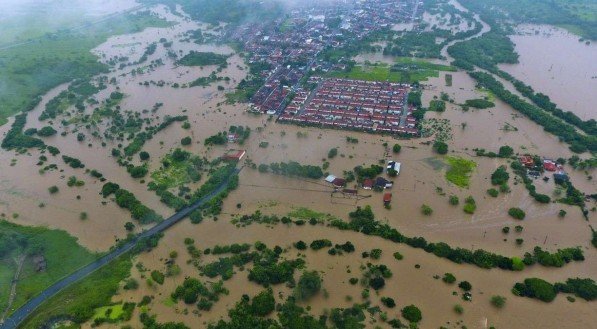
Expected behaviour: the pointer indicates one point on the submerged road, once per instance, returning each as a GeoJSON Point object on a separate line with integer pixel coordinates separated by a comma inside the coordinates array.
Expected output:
{"type": "Point", "coordinates": [22, 313]}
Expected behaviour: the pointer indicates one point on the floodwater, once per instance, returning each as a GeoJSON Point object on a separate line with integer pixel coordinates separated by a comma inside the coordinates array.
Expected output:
{"type": "Point", "coordinates": [554, 62]}
{"type": "Point", "coordinates": [421, 181]}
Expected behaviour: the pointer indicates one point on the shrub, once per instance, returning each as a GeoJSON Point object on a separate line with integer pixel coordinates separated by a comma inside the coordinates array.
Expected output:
{"type": "Point", "coordinates": [458, 309]}
{"type": "Point", "coordinates": [426, 210]}
{"type": "Point", "coordinates": [516, 213]}
{"type": "Point", "coordinates": [388, 302]}
{"type": "Point", "coordinates": [562, 213]}
{"type": "Point", "coordinates": [377, 283]}
{"type": "Point", "coordinates": [53, 189]}
{"type": "Point", "coordinates": [470, 208]}
{"type": "Point", "coordinates": [500, 176]}
{"type": "Point", "coordinates": [300, 245]}
{"type": "Point", "coordinates": [505, 151]}
{"type": "Point", "coordinates": [308, 285]}
{"type": "Point", "coordinates": [398, 256]}
{"type": "Point", "coordinates": [46, 131]}
{"type": "Point", "coordinates": [196, 217]}
{"type": "Point", "coordinates": [440, 147]}
{"type": "Point", "coordinates": [186, 141]}
{"type": "Point", "coordinates": [158, 276]}
{"type": "Point", "coordinates": [453, 200]}
{"type": "Point", "coordinates": [353, 281]}
{"type": "Point", "coordinates": [144, 156]}
{"type": "Point", "coordinates": [319, 244]}
{"type": "Point", "coordinates": [332, 153]}
{"type": "Point", "coordinates": [465, 285]}
{"type": "Point", "coordinates": [449, 278]}
{"type": "Point", "coordinates": [264, 303]}
{"type": "Point", "coordinates": [396, 148]}
{"type": "Point", "coordinates": [412, 313]}
{"type": "Point", "coordinates": [375, 253]}
{"type": "Point", "coordinates": [535, 288]}
{"type": "Point", "coordinates": [493, 192]}
{"type": "Point", "coordinates": [498, 301]}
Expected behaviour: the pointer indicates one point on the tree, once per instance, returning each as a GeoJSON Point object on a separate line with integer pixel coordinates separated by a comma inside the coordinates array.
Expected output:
{"type": "Point", "coordinates": [440, 147]}
{"type": "Point", "coordinates": [53, 189]}
{"type": "Point", "coordinates": [505, 151]}
{"type": "Point", "coordinates": [412, 313]}
{"type": "Point", "coordinates": [300, 245]}
{"type": "Point", "coordinates": [264, 303]}
{"type": "Point", "coordinates": [535, 288]}
{"type": "Point", "coordinates": [46, 131]}
{"type": "Point", "coordinates": [500, 176]}
{"type": "Point", "coordinates": [308, 285]}
{"type": "Point", "coordinates": [388, 302]}
{"type": "Point", "coordinates": [498, 301]}
{"type": "Point", "coordinates": [465, 285]}
{"type": "Point", "coordinates": [516, 213]}
{"type": "Point", "coordinates": [426, 210]}
{"type": "Point", "coordinates": [186, 141]}
{"type": "Point", "coordinates": [129, 226]}
{"type": "Point", "coordinates": [449, 278]}
{"type": "Point", "coordinates": [396, 148]}
{"type": "Point", "coordinates": [144, 156]}
{"type": "Point", "coordinates": [332, 153]}
{"type": "Point", "coordinates": [377, 282]}
{"type": "Point", "coordinates": [453, 200]}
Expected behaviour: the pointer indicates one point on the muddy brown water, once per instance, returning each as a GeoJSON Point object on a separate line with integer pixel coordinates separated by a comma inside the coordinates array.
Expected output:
{"type": "Point", "coordinates": [22, 189]}
{"type": "Point", "coordinates": [554, 62]}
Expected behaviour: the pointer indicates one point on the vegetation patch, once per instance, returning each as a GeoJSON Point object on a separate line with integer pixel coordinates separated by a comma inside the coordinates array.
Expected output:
{"type": "Point", "coordinates": [459, 171]}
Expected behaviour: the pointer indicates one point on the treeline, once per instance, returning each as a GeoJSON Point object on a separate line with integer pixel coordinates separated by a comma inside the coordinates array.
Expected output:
{"type": "Point", "coordinates": [195, 58]}
{"type": "Point", "coordinates": [521, 171]}
{"type": "Point", "coordinates": [578, 143]}
{"type": "Point", "coordinates": [363, 220]}
{"type": "Point", "coordinates": [127, 200]}
{"type": "Point", "coordinates": [546, 292]}
{"type": "Point", "coordinates": [14, 137]}
{"type": "Point", "coordinates": [294, 169]}
{"type": "Point", "coordinates": [137, 144]}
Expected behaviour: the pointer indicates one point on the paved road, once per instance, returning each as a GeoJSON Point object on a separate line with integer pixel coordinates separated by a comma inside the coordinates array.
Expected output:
{"type": "Point", "coordinates": [22, 313]}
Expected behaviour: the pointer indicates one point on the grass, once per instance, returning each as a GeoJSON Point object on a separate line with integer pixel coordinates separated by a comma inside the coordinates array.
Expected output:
{"type": "Point", "coordinates": [33, 69]}
{"type": "Point", "coordinates": [459, 171]}
{"type": "Point", "coordinates": [116, 312]}
{"type": "Point", "coordinates": [406, 70]}
{"type": "Point", "coordinates": [80, 300]}
{"type": "Point", "coordinates": [62, 253]}
{"type": "Point", "coordinates": [306, 213]}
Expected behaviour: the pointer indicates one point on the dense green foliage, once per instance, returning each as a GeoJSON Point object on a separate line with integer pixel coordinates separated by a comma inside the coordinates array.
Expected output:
{"type": "Point", "coordinates": [195, 58]}
{"type": "Point", "coordinates": [127, 200]}
{"type": "Point", "coordinates": [308, 285]}
{"type": "Point", "coordinates": [479, 103]}
{"type": "Point", "coordinates": [295, 169]}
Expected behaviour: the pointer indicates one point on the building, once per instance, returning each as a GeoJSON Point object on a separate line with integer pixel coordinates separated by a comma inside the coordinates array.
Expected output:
{"type": "Point", "coordinates": [234, 155]}
{"type": "Point", "coordinates": [387, 198]}
{"type": "Point", "coordinates": [368, 184]}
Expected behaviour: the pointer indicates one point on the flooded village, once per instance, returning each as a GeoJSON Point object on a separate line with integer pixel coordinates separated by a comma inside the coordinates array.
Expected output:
{"type": "Point", "coordinates": [353, 163]}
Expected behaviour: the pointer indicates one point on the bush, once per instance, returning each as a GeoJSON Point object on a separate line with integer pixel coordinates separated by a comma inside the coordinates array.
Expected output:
{"type": "Point", "coordinates": [186, 141]}
{"type": "Point", "coordinates": [396, 148]}
{"type": "Point", "coordinates": [53, 189]}
{"type": "Point", "coordinates": [264, 303]}
{"type": "Point", "coordinates": [353, 281]}
{"type": "Point", "coordinates": [388, 302]}
{"type": "Point", "coordinates": [319, 244]}
{"type": "Point", "coordinates": [440, 147]}
{"type": "Point", "coordinates": [535, 288]}
{"type": "Point", "coordinates": [465, 285]}
{"type": "Point", "coordinates": [308, 285]}
{"type": "Point", "coordinates": [458, 309]}
{"type": "Point", "coordinates": [144, 156]}
{"type": "Point", "coordinates": [500, 176]}
{"type": "Point", "coordinates": [398, 256]}
{"type": "Point", "coordinates": [426, 210]}
{"type": "Point", "coordinates": [300, 245]}
{"type": "Point", "coordinates": [376, 253]}
{"type": "Point", "coordinates": [158, 276]}
{"type": "Point", "coordinates": [377, 283]}
{"type": "Point", "coordinates": [196, 217]}
{"type": "Point", "coordinates": [493, 192]}
{"type": "Point", "coordinates": [449, 278]}
{"type": "Point", "coordinates": [453, 200]}
{"type": "Point", "coordinates": [412, 313]}
{"type": "Point", "coordinates": [516, 213]}
{"type": "Point", "coordinates": [498, 301]}
{"type": "Point", "coordinates": [505, 151]}
{"type": "Point", "coordinates": [46, 131]}
{"type": "Point", "coordinates": [470, 208]}
{"type": "Point", "coordinates": [332, 153]}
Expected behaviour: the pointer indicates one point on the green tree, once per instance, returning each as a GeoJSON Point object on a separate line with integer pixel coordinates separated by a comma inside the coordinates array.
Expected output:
{"type": "Point", "coordinates": [264, 303]}
{"type": "Point", "coordinates": [308, 285]}
{"type": "Point", "coordinates": [412, 313]}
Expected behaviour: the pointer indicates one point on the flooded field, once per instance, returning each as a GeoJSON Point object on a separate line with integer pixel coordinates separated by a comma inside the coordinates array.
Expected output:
{"type": "Point", "coordinates": [554, 62]}
{"type": "Point", "coordinates": [422, 180]}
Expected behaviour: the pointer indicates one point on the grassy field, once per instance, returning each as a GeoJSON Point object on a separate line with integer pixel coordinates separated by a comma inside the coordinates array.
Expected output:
{"type": "Point", "coordinates": [406, 70]}
{"type": "Point", "coordinates": [459, 171]}
{"type": "Point", "coordinates": [34, 68]}
{"type": "Point", "coordinates": [62, 253]}
{"type": "Point", "coordinates": [82, 299]}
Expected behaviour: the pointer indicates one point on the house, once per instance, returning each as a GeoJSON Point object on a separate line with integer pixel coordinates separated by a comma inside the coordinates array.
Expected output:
{"type": "Point", "coordinates": [368, 184]}
{"type": "Point", "coordinates": [393, 165]}
{"type": "Point", "coordinates": [527, 161]}
{"type": "Point", "coordinates": [330, 179]}
{"type": "Point", "coordinates": [549, 165]}
{"type": "Point", "coordinates": [234, 155]}
{"type": "Point", "coordinates": [387, 198]}
{"type": "Point", "coordinates": [339, 182]}
{"type": "Point", "coordinates": [382, 183]}
{"type": "Point", "coordinates": [232, 138]}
